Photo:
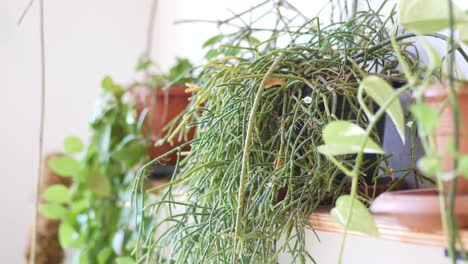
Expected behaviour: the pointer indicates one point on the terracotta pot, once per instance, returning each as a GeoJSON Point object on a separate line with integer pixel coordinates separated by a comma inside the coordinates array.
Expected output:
{"type": "Point", "coordinates": [164, 106]}
{"type": "Point", "coordinates": [419, 209]}
{"type": "Point", "coordinates": [435, 96]}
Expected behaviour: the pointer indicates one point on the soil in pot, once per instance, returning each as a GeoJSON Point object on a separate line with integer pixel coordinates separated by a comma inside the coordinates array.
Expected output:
{"type": "Point", "coordinates": [436, 96]}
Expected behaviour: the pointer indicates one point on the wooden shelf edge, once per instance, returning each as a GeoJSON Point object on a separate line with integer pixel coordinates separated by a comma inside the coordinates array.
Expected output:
{"type": "Point", "coordinates": [389, 230]}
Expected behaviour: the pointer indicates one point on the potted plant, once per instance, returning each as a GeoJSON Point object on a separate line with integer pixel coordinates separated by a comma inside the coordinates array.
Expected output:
{"type": "Point", "coordinates": [164, 96]}
{"type": "Point", "coordinates": [96, 218]}
{"type": "Point", "coordinates": [440, 112]}
{"type": "Point", "coordinates": [259, 110]}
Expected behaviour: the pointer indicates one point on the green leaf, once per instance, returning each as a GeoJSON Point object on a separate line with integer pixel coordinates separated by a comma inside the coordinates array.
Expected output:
{"type": "Point", "coordinates": [428, 16]}
{"type": "Point", "coordinates": [73, 144]}
{"type": "Point", "coordinates": [463, 166]}
{"type": "Point", "coordinates": [107, 84]}
{"type": "Point", "coordinates": [53, 211]}
{"type": "Point", "coordinates": [104, 255]}
{"type": "Point", "coordinates": [213, 40]}
{"type": "Point", "coordinates": [100, 184]}
{"type": "Point", "coordinates": [124, 260]}
{"type": "Point", "coordinates": [211, 54]}
{"type": "Point", "coordinates": [380, 91]}
{"type": "Point", "coordinates": [430, 165]}
{"type": "Point", "coordinates": [361, 220]}
{"type": "Point", "coordinates": [57, 193]}
{"type": "Point", "coordinates": [64, 166]}
{"type": "Point", "coordinates": [143, 64]}
{"type": "Point", "coordinates": [426, 117]}
{"type": "Point", "coordinates": [343, 137]}
{"type": "Point", "coordinates": [66, 235]}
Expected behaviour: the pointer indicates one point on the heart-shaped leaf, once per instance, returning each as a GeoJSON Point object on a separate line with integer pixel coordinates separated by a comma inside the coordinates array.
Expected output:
{"type": "Point", "coordinates": [64, 166]}
{"type": "Point", "coordinates": [73, 144]}
{"type": "Point", "coordinates": [380, 91]}
{"type": "Point", "coordinates": [428, 16]}
{"type": "Point", "coordinates": [361, 220]}
{"type": "Point", "coordinates": [343, 137]}
{"type": "Point", "coordinates": [100, 184]}
{"type": "Point", "coordinates": [57, 193]}
{"type": "Point", "coordinates": [53, 211]}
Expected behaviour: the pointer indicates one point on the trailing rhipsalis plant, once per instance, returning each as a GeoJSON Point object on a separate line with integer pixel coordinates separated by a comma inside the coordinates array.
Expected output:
{"type": "Point", "coordinates": [261, 109]}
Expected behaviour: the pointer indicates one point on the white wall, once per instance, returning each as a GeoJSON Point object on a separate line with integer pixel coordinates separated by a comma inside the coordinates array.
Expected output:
{"type": "Point", "coordinates": [84, 41]}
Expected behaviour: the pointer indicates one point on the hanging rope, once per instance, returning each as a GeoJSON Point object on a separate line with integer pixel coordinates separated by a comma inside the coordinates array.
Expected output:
{"type": "Point", "coordinates": [32, 258]}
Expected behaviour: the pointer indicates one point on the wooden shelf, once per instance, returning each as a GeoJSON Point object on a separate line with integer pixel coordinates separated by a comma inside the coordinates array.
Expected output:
{"type": "Point", "coordinates": [389, 230]}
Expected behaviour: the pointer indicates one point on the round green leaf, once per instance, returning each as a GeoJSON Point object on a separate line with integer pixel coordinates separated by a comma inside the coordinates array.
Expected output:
{"type": "Point", "coordinates": [53, 211]}
{"type": "Point", "coordinates": [64, 166]}
{"type": "Point", "coordinates": [57, 193]}
{"type": "Point", "coordinates": [104, 255]}
{"type": "Point", "coordinates": [73, 144]}
{"type": "Point", "coordinates": [361, 220]}
{"type": "Point", "coordinates": [66, 235]}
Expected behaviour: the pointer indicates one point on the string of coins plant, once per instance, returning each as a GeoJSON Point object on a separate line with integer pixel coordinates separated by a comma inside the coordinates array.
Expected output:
{"type": "Point", "coordinates": [96, 217]}
{"type": "Point", "coordinates": [255, 171]}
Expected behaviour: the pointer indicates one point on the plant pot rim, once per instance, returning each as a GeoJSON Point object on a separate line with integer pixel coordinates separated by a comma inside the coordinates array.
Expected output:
{"type": "Point", "coordinates": [415, 202]}
{"type": "Point", "coordinates": [439, 91]}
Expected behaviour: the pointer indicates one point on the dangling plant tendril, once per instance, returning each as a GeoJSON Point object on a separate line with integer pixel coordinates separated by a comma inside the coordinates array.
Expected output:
{"type": "Point", "coordinates": [254, 174]}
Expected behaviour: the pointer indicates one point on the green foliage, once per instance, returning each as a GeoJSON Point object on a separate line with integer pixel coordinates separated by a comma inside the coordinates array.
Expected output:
{"type": "Point", "coordinates": [179, 74]}
{"type": "Point", "coordinates": [64, 166]}
{"type": "Point", "coordinates": [430, 165]}
{"type": "Point", "coordinates": [73, 144]}
{"type": "Point", "coordinates": [343, 137]}
{"type": "Point", "coordinates": [53, 211]}
{"type": "Point", "coordinates": [57, 193]}
{"type": "Point", "coordinates": [380, 91]}
{"type": "Point", "coordinates": [428, 16]}
{"type": "Point", "coordinates": [93, 210]}
{"type": "Point", "coordinates": [427, 118]}
{"type": "Point", "coordinates": [254, 172]}
{"type": "Point", "coordinates": [361, 220]}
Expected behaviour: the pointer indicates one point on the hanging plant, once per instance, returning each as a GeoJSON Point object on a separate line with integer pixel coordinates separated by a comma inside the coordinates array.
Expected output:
{"type": "Point", "coordinates": [256, 171]}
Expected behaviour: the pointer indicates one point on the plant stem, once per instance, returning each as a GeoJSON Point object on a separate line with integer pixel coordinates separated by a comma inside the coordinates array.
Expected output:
{"type": "Point", "coordinates": [245, 155]}
{"type": "Point", "coordinates": [456, 119]}
{"type": "Point", "coordinates": [359, 158]}
{"type": "Point", "coordinates": [32, 252]}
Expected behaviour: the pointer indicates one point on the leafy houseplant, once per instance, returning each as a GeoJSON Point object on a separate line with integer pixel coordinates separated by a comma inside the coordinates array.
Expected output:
{"type": "Point", "coordinates": [440, 114]}
{"type": "Point", "coordinates": [261, 110]}
{"type": "Point", "coordinates": [96, 218]}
